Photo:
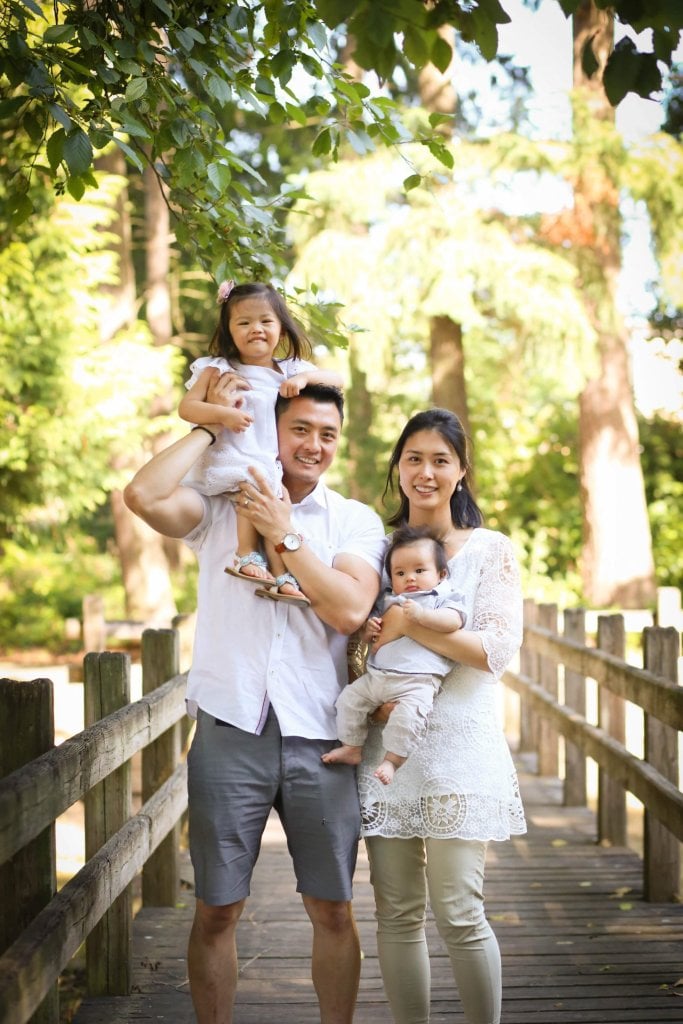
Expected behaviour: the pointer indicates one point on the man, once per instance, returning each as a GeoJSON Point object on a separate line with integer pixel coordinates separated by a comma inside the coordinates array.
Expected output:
{"type": "Point", "coordinates": [263, 684]}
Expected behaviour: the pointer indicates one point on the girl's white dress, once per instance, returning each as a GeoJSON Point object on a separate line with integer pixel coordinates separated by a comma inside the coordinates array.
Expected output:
{"type": "Point", "coordinates": [225, 464]}
{"type": "Point", "coordinates": [460, 781]}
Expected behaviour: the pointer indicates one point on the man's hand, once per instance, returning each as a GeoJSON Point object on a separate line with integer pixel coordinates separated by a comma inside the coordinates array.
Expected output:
{"type": "Point", "coordinates": [225, 388]}
{"type": "Point", "coordinates": [269, 514]}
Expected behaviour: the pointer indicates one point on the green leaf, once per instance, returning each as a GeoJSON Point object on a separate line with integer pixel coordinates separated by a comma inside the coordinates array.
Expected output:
{"type": "Point", "coordinates": [569, 7]}
{"type": "Point", "coordinates": [277, 113]}
{"type": "Point", "coordinates": [442, 54]}
{"type": "Point", "coordinates": [334, 12]}
{"type": "Point", "coordinates": [297, 114]}
{"type": "Point", "coordinates": [436, 119]}
{"type": "Point", "coordinates": [219, 89]}
{"type": "Point", "coordinates": [60, 115]}
{"type": "Point", "coordinates": [76, 187]}
{"type": "Point", "coordinates": [494, 12]}
{"type": "Point", "coordinates": [163, 7]}
{"type": "Point", "coordinates": [130, 153]}
{"type": "Point", "coordinates": [107, 74]}
{"type": "Point", "coordinates": [59, 33]}
{"type": "Point", "coordinates": [621, 71]}
{"type": "Point", "coordinates": [35, 8]}
{"type": "Point", "coordinates": [649, 78]}
{"type": "Point", "coordinates": [55, 148]}
{"type": "Point", "coordinates": [416, 46]}
{"type": "Point", "coordinates": [78, 151]}
{"type": "Point", "coordinates": [412, 181]}
{"type": "Point", "coordinates": [589, 62]}
{"type": "Point", "coordinates": [322, 144]}
{"type": "Point", "coordinates": [219, 175]}
{"type": "Point", "coordinates": [441, 152]}
{"type": "Point", "coordinates": [281, 66]}
{"type": "Point", "coordinates": [136, 88]}
{"type": "Point", "coordinates": [21, 207]}
{"type": "Point", "coordinates": [485, 34]}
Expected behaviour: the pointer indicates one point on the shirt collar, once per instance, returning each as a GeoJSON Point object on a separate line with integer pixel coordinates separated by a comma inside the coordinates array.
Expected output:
{"type": "Point", "coordinates": [318, 496]}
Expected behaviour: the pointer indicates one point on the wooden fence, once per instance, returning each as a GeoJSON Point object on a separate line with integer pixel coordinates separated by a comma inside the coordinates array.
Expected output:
{"type": "Point", "coordinates": [551, 684]}
{"type": "Point", "coordinates": [42, 928]}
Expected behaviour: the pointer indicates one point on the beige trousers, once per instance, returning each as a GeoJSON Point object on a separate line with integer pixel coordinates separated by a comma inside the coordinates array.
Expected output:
{"type": "Point", "coordinates": [403, 872]}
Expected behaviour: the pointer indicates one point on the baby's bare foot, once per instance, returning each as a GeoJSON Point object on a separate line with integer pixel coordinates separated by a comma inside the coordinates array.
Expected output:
{"type": "Point", "coordinates": [385, 773]}
{"type": "Point", "coordinates": [343, 755]}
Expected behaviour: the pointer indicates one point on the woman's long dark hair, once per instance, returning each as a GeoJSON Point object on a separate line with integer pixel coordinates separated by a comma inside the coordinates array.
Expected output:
{"type": "Point", "coordinates": [465, 512]}
{"type": "Point", "coordinates": [297, 344]}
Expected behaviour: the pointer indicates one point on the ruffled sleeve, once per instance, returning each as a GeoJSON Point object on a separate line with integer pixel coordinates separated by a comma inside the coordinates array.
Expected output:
{"type": "Point", "coordinates": [498, 607]}
{"type": "Point", "coordinates": [199, 365]}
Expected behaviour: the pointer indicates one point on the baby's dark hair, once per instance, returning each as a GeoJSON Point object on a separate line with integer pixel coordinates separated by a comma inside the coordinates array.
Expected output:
{"type": "Point", "coordinates": [295, 344]}
{"type": "Point", "coordinates": [406, 536]}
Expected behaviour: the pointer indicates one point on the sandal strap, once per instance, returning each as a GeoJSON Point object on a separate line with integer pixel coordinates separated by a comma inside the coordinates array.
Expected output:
{"type": "Point", "coordinates": [287, 577]}
{"type": "Point", "coordinates": [251, 558]}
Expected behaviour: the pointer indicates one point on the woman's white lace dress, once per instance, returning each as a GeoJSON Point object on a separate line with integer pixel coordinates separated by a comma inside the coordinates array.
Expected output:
{"type": "Point", "coordinates": [224, 465]}
{"type": "Point", "coordinates": [460, 781]}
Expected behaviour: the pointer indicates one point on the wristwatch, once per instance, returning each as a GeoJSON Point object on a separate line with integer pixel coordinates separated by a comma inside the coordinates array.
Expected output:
{"type": "Point", "coordinates": [290, 542]}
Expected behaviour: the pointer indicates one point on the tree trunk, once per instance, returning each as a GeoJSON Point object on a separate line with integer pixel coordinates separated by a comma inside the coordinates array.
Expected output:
{"type": "Point", "coordinates": [448, 367]}
{"type": "Point", "coordinates": [144, 566]}
{"type": "Point", "coordinates": [449, 391]}
{"type": "Point", "coordinates": [616, 564]}
{"type": "Point", "coordinates": [361, 451]}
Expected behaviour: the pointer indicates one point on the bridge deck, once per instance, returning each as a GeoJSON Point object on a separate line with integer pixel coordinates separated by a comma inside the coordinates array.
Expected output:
{"type": "Point", "coordinates": [577, 939]}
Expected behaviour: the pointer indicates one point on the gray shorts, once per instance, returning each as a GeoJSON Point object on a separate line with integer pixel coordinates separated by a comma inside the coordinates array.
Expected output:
{"type": "Point", "coordinates": [236, 778]}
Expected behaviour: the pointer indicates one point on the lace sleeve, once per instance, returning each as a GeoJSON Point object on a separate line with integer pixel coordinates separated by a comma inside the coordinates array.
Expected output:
{"type": "Point", "coordinates": [498, 605]}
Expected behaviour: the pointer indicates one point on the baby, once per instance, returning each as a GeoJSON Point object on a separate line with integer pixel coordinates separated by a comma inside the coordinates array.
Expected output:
{"type": "Point", "coordinates": [402, 671]}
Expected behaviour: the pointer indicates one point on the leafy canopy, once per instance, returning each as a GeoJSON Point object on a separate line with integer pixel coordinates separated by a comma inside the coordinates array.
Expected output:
{"type": "Point", "coordinates": [156, 77]}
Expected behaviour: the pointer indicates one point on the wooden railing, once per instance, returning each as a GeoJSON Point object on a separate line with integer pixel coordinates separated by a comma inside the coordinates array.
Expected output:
{"type": "Point", "coordinates": [551, 684]}
{"type": "Point", "coordinates": [42, 928]}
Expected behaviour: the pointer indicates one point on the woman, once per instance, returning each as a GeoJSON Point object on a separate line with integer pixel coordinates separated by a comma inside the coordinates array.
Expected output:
{"type": "Point", "coordinates": [426, 833]}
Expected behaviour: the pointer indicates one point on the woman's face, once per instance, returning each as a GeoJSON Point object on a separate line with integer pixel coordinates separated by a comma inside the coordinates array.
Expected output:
{"type": "Point", "coordinates": [428, 470]}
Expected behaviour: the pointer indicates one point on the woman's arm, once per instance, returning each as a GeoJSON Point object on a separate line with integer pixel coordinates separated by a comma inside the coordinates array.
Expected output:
{"type": "Point", "coordinates": [462, 645]}
{"type": "Point", "coordinates": [495, 632]}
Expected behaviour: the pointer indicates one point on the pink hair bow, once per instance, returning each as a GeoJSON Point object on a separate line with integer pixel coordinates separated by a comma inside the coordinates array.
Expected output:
{"type": "Point", "coordinates": [224, 289]}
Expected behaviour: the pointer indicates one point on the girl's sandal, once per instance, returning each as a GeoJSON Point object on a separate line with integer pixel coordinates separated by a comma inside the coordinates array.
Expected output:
{"type": "Point", "coordinates": [252, 558]}
{"type": "Point", "coordinates": [274, 594]}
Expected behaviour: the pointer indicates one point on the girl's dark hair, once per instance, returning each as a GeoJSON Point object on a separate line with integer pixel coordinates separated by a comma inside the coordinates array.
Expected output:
{"type": "Point", "coordinates": [406, 536]}
{"type": "Point", "coordinates": [222, 344]}
{"type": "Point", "coordinates": [465, 512]}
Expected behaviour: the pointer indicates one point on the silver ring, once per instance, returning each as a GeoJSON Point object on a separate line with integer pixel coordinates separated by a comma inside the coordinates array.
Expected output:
{"type": "Point", "coordinates": [246, 501]}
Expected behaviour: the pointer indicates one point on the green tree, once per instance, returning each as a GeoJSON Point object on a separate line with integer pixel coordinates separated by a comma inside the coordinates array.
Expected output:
{"type": "Point", "coordinates": [153, 78]}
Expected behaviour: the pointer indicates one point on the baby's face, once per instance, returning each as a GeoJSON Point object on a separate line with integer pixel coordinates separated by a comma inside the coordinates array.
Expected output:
{"type": "Point", "coordinates": [414, 568]}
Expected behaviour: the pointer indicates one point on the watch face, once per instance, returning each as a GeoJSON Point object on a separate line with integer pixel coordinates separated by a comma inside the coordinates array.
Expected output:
{"type": "Point", "coordinates": [292, 541]}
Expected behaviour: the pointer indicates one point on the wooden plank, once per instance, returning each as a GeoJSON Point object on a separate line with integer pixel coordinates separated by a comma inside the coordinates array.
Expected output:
{"type": "Point", "coordinates": [579, 943]}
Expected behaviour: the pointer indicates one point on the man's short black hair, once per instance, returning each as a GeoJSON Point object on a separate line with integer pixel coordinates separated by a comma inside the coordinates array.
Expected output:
{"type": "Point", "coordinates": [323, 393]}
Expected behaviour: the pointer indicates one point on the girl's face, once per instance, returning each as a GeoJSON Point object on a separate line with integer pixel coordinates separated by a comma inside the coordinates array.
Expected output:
{"type": "Point", "coordinates": [255, 329]}
{"type": "Point", "coordinates": [428, 471]}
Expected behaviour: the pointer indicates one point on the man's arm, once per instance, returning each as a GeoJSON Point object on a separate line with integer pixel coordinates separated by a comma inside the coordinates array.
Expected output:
{"type": "Point", "coordinates": [341, 594]}
{"type": "Point", "coordinates": [156, 495]}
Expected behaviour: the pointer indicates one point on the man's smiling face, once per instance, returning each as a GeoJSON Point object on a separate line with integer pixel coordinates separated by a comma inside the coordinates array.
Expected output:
{"type": "Point", "coordinates": [308, 436]}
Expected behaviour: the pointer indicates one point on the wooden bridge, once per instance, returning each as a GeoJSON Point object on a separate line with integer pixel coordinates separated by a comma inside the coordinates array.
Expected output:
{"type": "Point", "coordinates": [590, 931]}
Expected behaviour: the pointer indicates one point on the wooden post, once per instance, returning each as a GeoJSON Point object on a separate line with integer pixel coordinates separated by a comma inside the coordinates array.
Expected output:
{"type": "Point", "coordinates": [528, 666]}
{"type": "Point", "coordinates": [28, 881]}
{"type": "Point", "coordinates": [661, 849]}
{"type": "Point", "coordinates": [611, 718]}
{"type": "Point", "coordinates": [161, 873]}
{"type": "Point", "coordinates": [575, 698]}
{"type": "Point", "coordinates": [94, 626]}
{"type": "Point", "coordinates": [108, 956]}
{"type": "Point", "coordinates": [548, 742]}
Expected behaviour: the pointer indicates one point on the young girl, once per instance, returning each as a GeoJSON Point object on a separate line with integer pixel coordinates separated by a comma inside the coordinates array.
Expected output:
{"type": "Point", "coordinates": [254, 323]}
